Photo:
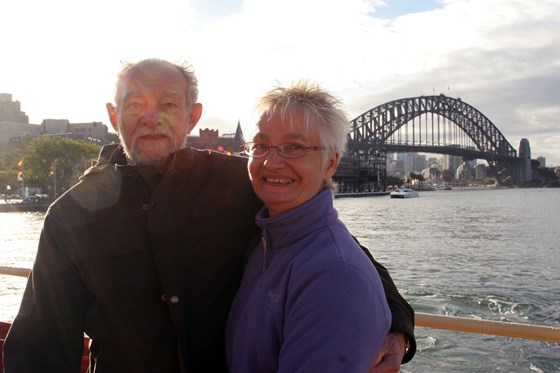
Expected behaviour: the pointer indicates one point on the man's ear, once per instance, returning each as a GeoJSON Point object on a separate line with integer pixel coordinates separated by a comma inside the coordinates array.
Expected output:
{"type": "Point", "coordinates": [112, 111]}
{"type": "Point", "coordinates": [194, 115]}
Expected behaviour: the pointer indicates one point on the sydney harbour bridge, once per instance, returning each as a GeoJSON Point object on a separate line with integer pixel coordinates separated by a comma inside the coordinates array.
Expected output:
{"type": "Point", "coordinates": [427, 124]}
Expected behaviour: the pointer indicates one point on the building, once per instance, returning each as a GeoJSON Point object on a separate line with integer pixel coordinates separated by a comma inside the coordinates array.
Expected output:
{"type": "Point", "coordinates": [525, 168]}
{"type": "Point", "coordinates": [11, 133]}
{"type": "Point", "coordinates": [10, 111]}
{"type": "Point", "coordinates": [14, 125]}
{"type": "Point", "coordinates": [480, 171]}
{"type": "Point", "coordinates": [95, 132]}
{"type": "Point", "coordinates": [451, 162]}
{"type": "Point", "coordinates": [402, 164]}
{"type": "Point", "coordinates": [210, 139]}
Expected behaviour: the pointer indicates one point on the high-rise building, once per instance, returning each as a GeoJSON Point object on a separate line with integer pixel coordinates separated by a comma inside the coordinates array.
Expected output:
{"type": "Point", "coordinates": [525, 154]}
{"type": "Point", "coordinates": [451, 162]}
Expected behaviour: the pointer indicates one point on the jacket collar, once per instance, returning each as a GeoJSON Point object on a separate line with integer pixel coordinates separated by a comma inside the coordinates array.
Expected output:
{"type": "Point", "coordinates": [291, 226]}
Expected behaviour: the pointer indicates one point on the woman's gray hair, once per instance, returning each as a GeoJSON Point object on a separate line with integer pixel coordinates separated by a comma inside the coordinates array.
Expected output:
{"type": "Point", "coordinates": [318, 107]}
{"type": "Point", "coordinates": [183, 67]}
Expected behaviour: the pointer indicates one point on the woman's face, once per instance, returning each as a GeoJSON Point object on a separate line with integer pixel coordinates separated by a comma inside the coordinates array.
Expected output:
{"type": "Point", "coordinates": [282, 183]}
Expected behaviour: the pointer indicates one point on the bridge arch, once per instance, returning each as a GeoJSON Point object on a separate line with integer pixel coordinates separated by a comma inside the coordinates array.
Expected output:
{"type": "Point", "coordinates": [378, 130]}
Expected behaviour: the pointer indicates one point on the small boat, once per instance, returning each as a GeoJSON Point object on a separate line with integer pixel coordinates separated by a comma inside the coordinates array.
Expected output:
{"type": "Point", "coordinates": [404, 193]}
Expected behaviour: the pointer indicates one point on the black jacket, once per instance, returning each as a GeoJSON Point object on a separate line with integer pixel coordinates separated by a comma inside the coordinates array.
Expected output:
{"type": "Point", "coordinates": [148, 274]}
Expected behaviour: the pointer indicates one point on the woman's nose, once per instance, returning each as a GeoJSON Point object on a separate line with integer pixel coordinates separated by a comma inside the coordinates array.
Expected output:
{"type": "Point", "coordinates": [273, 157]}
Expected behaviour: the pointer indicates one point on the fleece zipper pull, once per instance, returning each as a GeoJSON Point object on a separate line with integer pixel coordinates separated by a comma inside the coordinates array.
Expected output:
{"type": "Point", "coordinates": [263, 240]}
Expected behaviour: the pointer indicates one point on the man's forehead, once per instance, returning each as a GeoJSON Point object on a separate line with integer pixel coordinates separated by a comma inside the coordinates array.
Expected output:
{"type": "Point", "coordinates": [135, 87]}
{"type": "Point", "coordinates": [129, 91]}
{"type": "Point", "coordinates": [152, 79]}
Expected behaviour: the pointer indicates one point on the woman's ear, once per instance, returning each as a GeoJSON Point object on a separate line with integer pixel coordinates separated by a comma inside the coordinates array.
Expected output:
{"type": "Point", "coordinates": [332, 165]}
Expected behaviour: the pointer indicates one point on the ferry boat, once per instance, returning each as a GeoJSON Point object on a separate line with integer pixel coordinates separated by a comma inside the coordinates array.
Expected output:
{"type": "Point", "coordinates": [404, 193]}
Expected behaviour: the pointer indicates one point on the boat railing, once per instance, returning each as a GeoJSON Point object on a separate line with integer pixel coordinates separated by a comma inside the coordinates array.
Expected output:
{"type": "Point", "coordinates": [425, 320]}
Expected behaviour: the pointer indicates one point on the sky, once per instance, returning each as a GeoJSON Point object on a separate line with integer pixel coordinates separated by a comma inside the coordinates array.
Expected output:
{"type": "Point", "coordinates": [59, 58]}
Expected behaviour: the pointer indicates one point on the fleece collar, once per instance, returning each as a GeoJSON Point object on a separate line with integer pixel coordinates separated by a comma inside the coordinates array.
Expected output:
{"type": "Point", "coordinates": [284, 229]}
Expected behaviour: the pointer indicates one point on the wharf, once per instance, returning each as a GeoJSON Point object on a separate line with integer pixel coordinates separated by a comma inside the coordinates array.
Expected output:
{"type": "Point", "coordinates": [23, 207]}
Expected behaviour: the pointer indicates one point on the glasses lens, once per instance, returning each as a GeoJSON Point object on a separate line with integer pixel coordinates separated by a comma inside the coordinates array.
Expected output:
{"type": "Point", "coordinates": [255, 149]}
{"type": "Point", "coordinates": [291, 150]}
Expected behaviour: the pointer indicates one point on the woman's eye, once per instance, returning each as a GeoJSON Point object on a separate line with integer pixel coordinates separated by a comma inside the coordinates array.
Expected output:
{"type": "Point", "coordinates": [293, 147]}
{"type": "Point", "coordinates": [259, 146]}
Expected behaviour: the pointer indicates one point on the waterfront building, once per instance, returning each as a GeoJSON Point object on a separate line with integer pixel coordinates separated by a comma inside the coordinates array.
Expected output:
{"type": "Point", "coordinates": [95, 132]}
{"type": "Point", "coordinates": [14, 125]}
{"type": "Point", "coordinates": [12, 132]}
{"type": "Point", "coordinates": [10, 111]}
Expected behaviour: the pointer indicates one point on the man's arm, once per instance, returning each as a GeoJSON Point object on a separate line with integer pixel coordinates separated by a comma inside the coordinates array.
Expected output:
{"type": "Point", "coordinates": [402, 312]}
{"type": "Point", "coordinates": [47, 333]}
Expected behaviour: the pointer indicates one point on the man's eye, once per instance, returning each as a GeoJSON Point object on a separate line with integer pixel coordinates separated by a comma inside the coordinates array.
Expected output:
{"type": "Point", "coordinates": [133, 105]}
{"type": "Point", "coordinates": [170, 105]}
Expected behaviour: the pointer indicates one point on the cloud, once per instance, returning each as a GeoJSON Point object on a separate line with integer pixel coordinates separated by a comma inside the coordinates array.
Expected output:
{"type": "Point", "coordinates": [501, 56]}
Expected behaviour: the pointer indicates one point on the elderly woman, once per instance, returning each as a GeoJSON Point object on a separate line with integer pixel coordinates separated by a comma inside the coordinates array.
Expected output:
{"type": "Point", "coordinates": [310, 299]}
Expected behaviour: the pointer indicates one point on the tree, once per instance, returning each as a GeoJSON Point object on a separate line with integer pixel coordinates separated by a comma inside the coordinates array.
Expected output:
{"type": "Point", "coordinates": [113, 137]}
{"type": "Point", "coordinates": [70, 157]}
{"type": "Point", "coordinates": [9, 169]}
{"type": "Point", "coordinates": [435, 172]}
{"type": "Point", "coordinates": [421, 180]}
{"type": "Point", "coordinates": [547, 177]}
{"type": "Point", "coordinates": [448, 175]}
{"type": "Point", "coordinates": [394, 180]}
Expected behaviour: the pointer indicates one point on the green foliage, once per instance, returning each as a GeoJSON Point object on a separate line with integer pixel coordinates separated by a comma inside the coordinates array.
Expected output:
{"type": "Point", "coordinates": [9, 169]}
{"type": "Point", "coordinates": [448, 176]}
{"type": "Point", "coordinates": [547, 178]}
{"type": "Point", "coordinates": [113, 138]}
{"type": "Point", "coordinates": [72, 158]}
{"type": "Point", "coordinates": [394, 180]}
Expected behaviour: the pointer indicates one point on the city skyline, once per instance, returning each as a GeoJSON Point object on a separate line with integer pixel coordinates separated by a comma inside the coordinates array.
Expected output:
{"type": "Point", "coordinates": [57, 123]}
{"type": "Point", "coordinates": [501, 57]}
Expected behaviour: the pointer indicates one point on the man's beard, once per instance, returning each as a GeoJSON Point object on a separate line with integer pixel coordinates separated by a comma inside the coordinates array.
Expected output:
{"type": "Point", "coordinates": [156, 154]}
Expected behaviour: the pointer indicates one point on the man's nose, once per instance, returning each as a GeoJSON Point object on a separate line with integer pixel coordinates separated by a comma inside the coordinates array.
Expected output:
{"type": "Point", "coordinates": [151, 115]}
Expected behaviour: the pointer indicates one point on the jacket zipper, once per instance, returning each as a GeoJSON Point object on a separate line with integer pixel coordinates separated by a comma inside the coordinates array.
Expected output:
{"type": "Point", "coordinates": [263, 240]}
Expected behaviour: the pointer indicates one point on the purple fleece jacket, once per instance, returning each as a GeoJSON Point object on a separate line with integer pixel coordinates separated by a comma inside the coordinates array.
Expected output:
{"type": "Point", "coordinates": [310, 299]}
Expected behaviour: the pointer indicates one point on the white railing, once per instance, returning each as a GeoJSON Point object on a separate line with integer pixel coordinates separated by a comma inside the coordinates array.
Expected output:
{"type": "Point", "coordinates": [425, 320]}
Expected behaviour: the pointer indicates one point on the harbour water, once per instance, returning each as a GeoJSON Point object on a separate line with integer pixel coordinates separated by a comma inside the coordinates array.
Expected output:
{"type": "Point", "coordinates": [486, 254]}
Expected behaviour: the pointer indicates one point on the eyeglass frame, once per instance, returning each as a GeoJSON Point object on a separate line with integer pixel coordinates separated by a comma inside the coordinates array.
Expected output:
{"type": "Point", "coordinates": [279, 147]}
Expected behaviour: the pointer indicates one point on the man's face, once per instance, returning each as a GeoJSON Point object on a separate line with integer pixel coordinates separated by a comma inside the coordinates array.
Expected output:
{"type": "Point", "coordinates": [152, 117]}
